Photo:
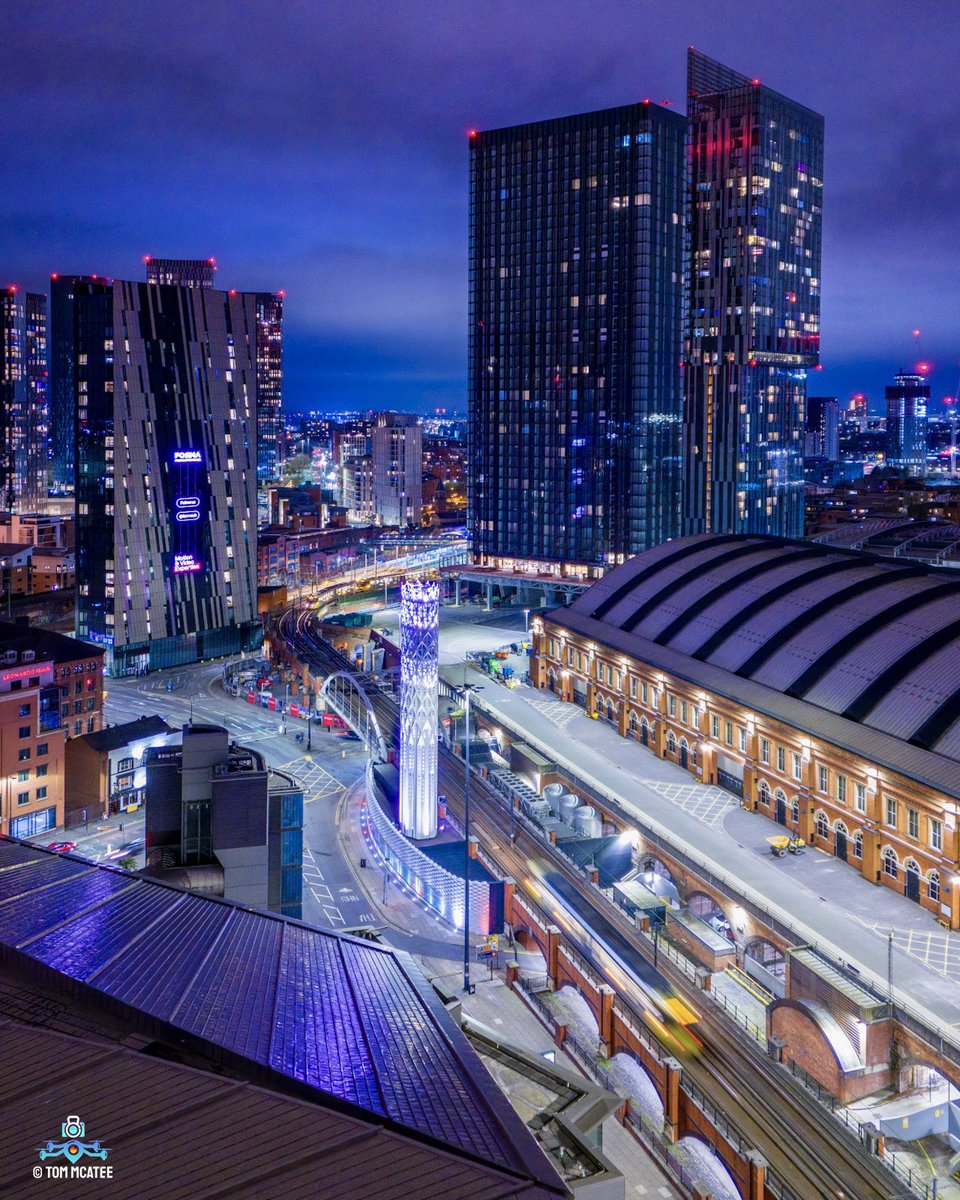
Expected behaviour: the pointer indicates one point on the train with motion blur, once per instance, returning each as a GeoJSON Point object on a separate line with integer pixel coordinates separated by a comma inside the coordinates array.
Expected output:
{"type": "Point", "coordinates": [655, 999]}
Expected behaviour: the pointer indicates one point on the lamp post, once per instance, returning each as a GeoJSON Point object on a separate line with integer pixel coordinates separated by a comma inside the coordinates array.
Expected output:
{"type": "Point", "coordinates": [468, 688]}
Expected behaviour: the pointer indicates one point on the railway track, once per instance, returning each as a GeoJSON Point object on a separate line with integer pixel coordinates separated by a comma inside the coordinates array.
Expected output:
{"type": "Point", "coordinates": [808, 1153]}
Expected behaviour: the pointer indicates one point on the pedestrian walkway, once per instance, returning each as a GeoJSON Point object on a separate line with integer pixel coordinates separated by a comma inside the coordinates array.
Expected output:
{"type": "Point", "coordinates": [826, 902]}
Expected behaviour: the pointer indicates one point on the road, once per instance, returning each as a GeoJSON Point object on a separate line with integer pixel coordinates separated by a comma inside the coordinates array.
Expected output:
{"type": "Point", "coordinates": [330, 894]}
{"type": "Point", "coordinates": [809, 1153]}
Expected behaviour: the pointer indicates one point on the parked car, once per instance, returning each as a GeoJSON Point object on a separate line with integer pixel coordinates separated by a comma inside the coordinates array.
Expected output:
{"type": "Point", "coordinates": [62, 847]}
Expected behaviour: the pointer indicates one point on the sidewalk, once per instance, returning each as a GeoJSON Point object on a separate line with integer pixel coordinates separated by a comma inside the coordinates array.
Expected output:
{"type": "Point", "coordinates": [824, 900]}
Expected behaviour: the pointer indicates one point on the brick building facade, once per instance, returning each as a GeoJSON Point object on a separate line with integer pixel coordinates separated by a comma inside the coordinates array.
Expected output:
{"type": "Point", "coordinates": [681, 650]}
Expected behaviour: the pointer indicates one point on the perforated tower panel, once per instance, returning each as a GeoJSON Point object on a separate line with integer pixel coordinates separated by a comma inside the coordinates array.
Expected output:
{"type": "Point", "coordinates": [419, 650]}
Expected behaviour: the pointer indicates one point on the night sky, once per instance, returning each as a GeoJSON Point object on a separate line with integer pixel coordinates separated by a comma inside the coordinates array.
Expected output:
{"type": "Point", "coordinates": [321, 148]}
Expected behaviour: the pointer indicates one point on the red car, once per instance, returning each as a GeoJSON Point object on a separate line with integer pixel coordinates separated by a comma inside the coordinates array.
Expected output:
{"type": "Point", "coordinates": [62, 847]}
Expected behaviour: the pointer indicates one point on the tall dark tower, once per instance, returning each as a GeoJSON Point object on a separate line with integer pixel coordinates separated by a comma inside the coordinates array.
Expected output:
{"type": "Point", "coordinates": [63, 392]}
{"type": "Point", "coordinates": [24, 412]}
{"type": "Point", "coordinates": [576, 287]}
{"type": "Point", "coordinates": [907, 401]}
{"type": "Point", "coordinates": [755, 172]}
{"type": "Point", "coordinates": [166, 384]}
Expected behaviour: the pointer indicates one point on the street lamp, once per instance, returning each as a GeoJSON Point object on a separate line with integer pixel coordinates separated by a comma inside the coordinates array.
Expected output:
{"type": "Point", "coordinates": [468, 689]}
{"type": "Point", "coordinates": [526, 620]}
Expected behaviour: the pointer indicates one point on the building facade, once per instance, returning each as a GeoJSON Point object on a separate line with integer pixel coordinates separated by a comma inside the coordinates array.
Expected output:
{"type": "Point", "coordinates": [105, 771]}
{"type": "Point", "coordinates": [755, 172]}
{"type": "Point", "coordinates": [166, 473]}
{"type": "Point", "coordinates": [269, 386]}
{"type": "Point", "coordinates": [24, 411]}
{"type": "Point", "coordinates": [220, 820]}
{"type": "Point", "coordinates": [818, 684]}
{"type": "Point", "coordinates": [576, 286]}
{"type": "Point", "coordinates": [63, 391]}
{"type": "Point", "coordinates": [181, 272]}
{"type": "Point", "coordinates": [51, 690]}
{"type": "Point", "coordinates": [397, 451]}
{"type": "Point", "coordinates": [201, 273]}
{"type": "Point", "coordinates": [907, 401]}
{"type": "Point", "coordinates": [823, 428]}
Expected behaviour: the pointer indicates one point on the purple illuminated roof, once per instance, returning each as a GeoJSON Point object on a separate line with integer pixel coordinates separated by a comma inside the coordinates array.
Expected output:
{"type": "Point", "coordinates": [344, 1017]}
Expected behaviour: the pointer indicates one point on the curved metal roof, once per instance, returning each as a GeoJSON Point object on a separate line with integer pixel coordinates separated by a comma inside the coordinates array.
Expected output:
{"type": "Point", "coordinates": [872, 640]}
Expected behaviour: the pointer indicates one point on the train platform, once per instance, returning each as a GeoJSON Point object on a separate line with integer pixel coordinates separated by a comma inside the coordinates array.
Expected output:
{"type": "Point", "coordinates": [827, 902]}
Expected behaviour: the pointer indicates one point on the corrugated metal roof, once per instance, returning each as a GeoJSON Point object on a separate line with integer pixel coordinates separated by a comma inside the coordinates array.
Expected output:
{"type": "Point", "coordinates": [351, 1019]}
{"type": "Point", "coordinates": [856, 638]}
{"type": "Point", "coordinates": [174, 1132]}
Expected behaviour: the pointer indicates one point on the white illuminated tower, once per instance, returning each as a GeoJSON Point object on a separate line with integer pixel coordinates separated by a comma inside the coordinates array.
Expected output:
{"type": "Point", "coordinates": [419, 678]}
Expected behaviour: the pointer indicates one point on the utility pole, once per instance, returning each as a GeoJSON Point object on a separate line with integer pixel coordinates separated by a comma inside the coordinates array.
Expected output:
{"type": "Point", "coordinates": [890, 969]}
{"type": "Point", "coordinates": [467, 987]}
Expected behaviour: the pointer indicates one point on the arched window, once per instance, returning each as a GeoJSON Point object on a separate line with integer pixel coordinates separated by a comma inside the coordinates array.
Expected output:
{"type": "Point", "coordinates": [551, 681]}
{"type": "Point", "coordinates": [933, 885]}
{"type": "Point", "coordinates": [890, 866]}
{"type": "Point", "coordinates": [633, 724]}
{"type": "Point", "coordinates": [671, 743]}
{"type": "Point", "coordinates": [796, 812]}
{"type": "Point", "coordinates": [858, 845]}
{"type": "Point", "coordinates": [764, 792]}
{"type": "Point", "coordinates": [823, 825]}
{"type": "Point", "coordinates": [684, 744]}
{"type": "Point", "coordinates": [841, 828]}
{"type": "Point", "coordinates": [611, 711]}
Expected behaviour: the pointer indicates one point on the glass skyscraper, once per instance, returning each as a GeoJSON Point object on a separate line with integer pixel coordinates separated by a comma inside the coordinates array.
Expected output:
{"type": "Point", "coordinates": [576, 311]}
{"type": "Point", "coordinates": [24, 412]}
{"type": "Point", "coordinates": [755, 171]}
{"type": "Point", "coordinates": [63, 392]}
{"type": "Point", "coordinates": [907, 401]}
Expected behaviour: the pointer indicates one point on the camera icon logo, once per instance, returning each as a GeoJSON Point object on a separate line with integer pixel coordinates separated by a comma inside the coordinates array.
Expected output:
{"type": "Point", "coordinates": [73, 1127]}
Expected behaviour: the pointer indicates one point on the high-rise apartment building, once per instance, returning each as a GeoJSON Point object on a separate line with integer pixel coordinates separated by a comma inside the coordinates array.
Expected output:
{"type": "Point", "coordinates": [823, 428]}
{"type": "Point", "coordinates": [576, 287]}
{"type": "Point", "coordinates": [166, 383]}
{"type": "Point", "coordinates": [755, 170]}
{"type": "Point", "coordinates": [269, 385]}
{"type": "Point", "coordinates": [199, 273]}
{"type": "Point", "coordinates": [63, 402]}
{"type": "Point", "coordinates": [181, 272]}
{"type": "Point", "coordinates": [24, 412]}
{"type": "Point", "coordinates": [907, 401]}
{"type": "Point", "coordinates": [397, 442]}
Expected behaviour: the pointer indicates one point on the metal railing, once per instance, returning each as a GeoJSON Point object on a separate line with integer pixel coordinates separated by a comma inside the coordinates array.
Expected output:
{"type": "Point", "coordinates": [914, 1179]}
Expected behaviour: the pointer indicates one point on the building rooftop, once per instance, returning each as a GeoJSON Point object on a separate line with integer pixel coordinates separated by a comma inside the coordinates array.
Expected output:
{"type": "Point", "coordinates": [349, 1025]}
{"type": "Point", "coordinates": [933, 542]}
{"type": "Point", "coordinates": [46, 644]}
{"type": "Point", "coordinates": [172, 1131]}
{"type": "Point", "coordinates": [853, 648]}
{"type": "Point", "coordinates": [116, 736]}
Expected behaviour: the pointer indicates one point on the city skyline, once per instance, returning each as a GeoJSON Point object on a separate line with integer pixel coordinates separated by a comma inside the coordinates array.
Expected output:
{"type": "Point", "coordinates": [362, 220]}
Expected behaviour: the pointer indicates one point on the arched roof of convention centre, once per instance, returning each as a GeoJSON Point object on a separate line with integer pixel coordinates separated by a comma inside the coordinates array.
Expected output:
{"type": "Point", "coordinates": [870, 641]}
